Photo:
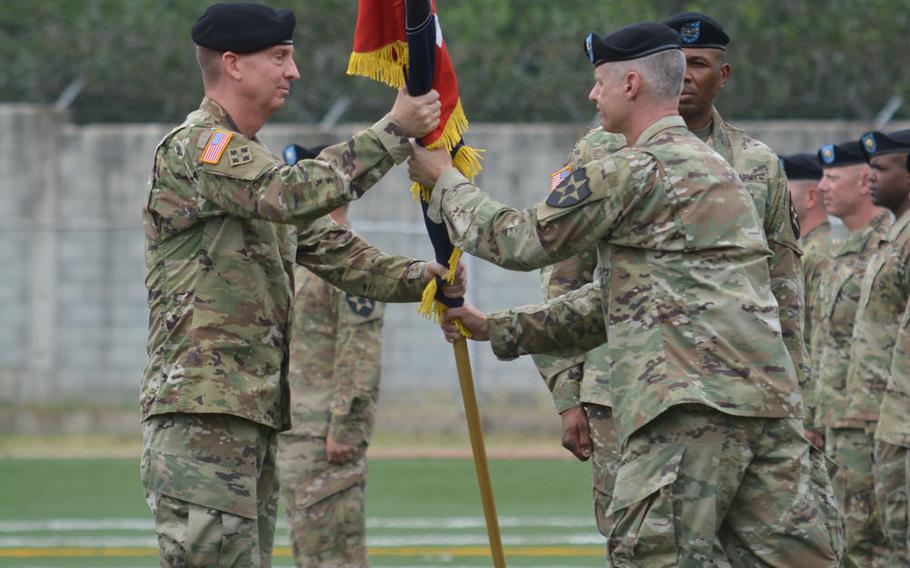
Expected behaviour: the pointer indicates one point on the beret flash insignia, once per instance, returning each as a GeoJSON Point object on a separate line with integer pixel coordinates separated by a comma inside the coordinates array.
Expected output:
{"type": "Point", "coordinates": [869, 142]}
{"type": "Point", "coordinates": [690, 32]}
{"type": "Point", "coordinates": [828, 153]}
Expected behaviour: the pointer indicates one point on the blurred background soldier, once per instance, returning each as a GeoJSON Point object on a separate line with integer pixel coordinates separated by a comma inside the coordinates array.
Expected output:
{"type": "Point", "coordinates": [334, 377]}
{"type": "Point", "coordinates": [881, 315]}
{"type": "Point", "coordinates": [804, 171]}
{"type": "Point", "coordinates": [845, 192]}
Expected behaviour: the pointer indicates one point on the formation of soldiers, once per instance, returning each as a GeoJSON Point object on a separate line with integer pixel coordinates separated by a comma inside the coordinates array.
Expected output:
{"type": "Point", "coordinates": [704, 334]}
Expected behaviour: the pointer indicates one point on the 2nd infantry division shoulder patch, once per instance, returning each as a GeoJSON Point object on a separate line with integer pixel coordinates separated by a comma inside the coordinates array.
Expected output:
{"type": "Point", "coordinates": [571, 191]}
{"type": "Point", "coordinates": [359, 305]}
{"type": "Point", "coordinates": [241, 155]}
{"type": "Point", "coordinates": [215, 148]}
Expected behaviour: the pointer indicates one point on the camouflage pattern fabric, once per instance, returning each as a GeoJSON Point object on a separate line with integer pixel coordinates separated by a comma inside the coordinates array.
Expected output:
{"type": "Point", "coordinates": [220, 241]}
{"type": "Point", "coordinates": [334, 376]}
{"type": "Point", "coordinates": [892, 464]}
{"type": "Point", "coordinates": [818, 253]}
{"type": "Point", "coordinates": [864, 541]}
{"type": "Point", "coordinates": [691, 317]}
{"type": "Point", "coordinates": [211, 484]}
{"type": "Point", "coordinates": [565, 377]}
{"type": "Point", "coordinates": [759, 169]}
{"type": "Point", "coordinates": [324, 504]}
{"type": "Point", "coordinates": [604, 461]}
{"type": "Point", "coordinates": [886, 287]}
{"type": "Point", "coordinates": [841, 292]}
{"type": "Point", "coordinates": [699, 488]}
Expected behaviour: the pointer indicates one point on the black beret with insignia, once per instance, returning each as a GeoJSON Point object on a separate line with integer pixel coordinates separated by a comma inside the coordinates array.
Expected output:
{"type": "Point", "coordinates": [802, 167]}
{"type": "Point", "coordinates": [698, 30]}
{"type": "Point", "coordinates": [840, 155]}
{"type": "Point", "coordinates": [243, 27]}
{"type": "Point", "coordinates": [630, 42]}
{"type": "Point", "coordinates": [876, 143]}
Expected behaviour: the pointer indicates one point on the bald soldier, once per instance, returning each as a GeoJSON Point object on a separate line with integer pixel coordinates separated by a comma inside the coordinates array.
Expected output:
{"type": "Point", "coordinates": [803, 172]}
{"type": "Point", "coordinates": [224, 221]}
{"type": "Point", "coordinates": [846, 194]}
{"type": "Point", "coordinates": [715, 467]}
{"type": "Point", "coordinates": [579, 386]}
{"type": "Point", "coordinates": [880, 397]}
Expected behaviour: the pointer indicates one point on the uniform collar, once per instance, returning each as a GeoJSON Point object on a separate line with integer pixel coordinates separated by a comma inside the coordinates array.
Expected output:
{"type": "Point", "coordinates": [658, 126]}
{"type": "Point", "coordinates": [212, 108]}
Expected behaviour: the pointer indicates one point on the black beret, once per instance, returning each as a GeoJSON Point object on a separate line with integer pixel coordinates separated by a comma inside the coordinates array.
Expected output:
{"type": "Point", "coordinates": [840, 155]}
{"type": "Point", "coordinates": [243, 27]}
{"type": "Point", "coordinates": [876, 143]}
{"type": "Point", "coordinates": [630, 42]}
{"type": "Point", "coordinates": [802, 167]}
{"type": "Point", "coordinates": [698, 30]}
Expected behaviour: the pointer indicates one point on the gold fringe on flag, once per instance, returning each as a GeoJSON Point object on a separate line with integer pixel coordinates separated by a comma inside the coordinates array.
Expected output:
{"type": "Point", "coordinates": [385, 64]}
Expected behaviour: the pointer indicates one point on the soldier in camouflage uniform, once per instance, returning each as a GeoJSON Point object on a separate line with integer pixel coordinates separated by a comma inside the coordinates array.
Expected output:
{"type": "Point", "coordinates": [224, 221]}
{"type": "Point", "coordinates": [715, 467]}
{"type": "Point", "coordinates": [578, 381]}
{"type": "Point", "coordinates": [803, 172]}
{"type": "Point", "coordinates": [336, 343]}
{"type": "Point", "coordinates": [845, 192]}
{"type": "Point", "coordinates": [879, 320]}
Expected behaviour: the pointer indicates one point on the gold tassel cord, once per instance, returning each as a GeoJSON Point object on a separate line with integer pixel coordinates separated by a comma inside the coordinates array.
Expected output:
{"type": "Point", "coordinates": [385, 64]}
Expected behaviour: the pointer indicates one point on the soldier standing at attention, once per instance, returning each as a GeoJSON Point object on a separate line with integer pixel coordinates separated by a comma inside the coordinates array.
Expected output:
{"type": "Point", "coordinates": [224, 221]}
{"type": "Point", "coordinates": [845, 193]}
{"type": "Point", "coordinates": [804, 171]}
{"type": "Point", "coordinates": [579, 386]}
{"type": "Point", "coordinates": [880, 320]}
{"type": "Point", "coordinates": [336, 344]}
{"type": "Point", "coordinates": [715, 467]}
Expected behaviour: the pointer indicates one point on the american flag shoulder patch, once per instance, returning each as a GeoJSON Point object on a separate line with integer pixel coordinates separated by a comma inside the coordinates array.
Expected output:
{"type": "Point", "coordinates": [559, 175]}
{"type": "Point", "coordinates": [218, 141]}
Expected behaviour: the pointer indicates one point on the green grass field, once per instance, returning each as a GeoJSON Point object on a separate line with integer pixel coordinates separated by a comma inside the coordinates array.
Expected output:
{"type": "Point", "coordinates": [420, 512]}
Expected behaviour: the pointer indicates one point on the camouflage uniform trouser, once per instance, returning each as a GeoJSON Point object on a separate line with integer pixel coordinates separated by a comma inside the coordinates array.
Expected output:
{"type": "Point", "coordinates": [604, 461]}
{"type": "Point", "coordinates": [892, 468]}
{"type": "Point", "coordinates": [323, 502]}
{"type": "Point", "coordinates": [699, 488]}
{"type": "Point", "coordinates": [210, 482]}
{"type": "Point", "coordinates": [865, 545]}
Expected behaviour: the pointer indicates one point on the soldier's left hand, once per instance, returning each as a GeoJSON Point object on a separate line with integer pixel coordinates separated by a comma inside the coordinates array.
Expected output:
{"type": "Point", "coordinates": [425, 166]}
{"type": "Point", "coordinates": [457, 288]}
{"type": "Point", "coordinates": [338, 452]}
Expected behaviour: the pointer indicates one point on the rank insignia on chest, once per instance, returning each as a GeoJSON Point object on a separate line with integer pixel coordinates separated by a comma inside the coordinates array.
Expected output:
{"type": "Point", "coordinates": [241, 155]}
{"type": "Point", "coordinates": [359, 305]}
{"type": "Point", "coordinates": [571, 191]}
{"type": "Point", "coordinates": [218, 141]}
{"type": "Point", "coordinates": [559, 175]}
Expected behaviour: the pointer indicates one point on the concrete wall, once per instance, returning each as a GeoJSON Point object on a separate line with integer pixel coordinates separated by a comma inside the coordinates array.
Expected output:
{"type": "Point", "coordinates": [72, 299]}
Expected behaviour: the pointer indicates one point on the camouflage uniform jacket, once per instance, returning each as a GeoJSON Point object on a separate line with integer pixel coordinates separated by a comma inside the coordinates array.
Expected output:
{"type": "Point", "coordinates": [572, 380]}
{"type": "Point", "coordinates": [839, 294]}
{"type": "Point", "coordinates": [336, 345]}
{"type": "Point", "coordinates": [886, 286]}
{"type": "Point", "coordinates": [817, 246]}
{"type": "Point", "coordinates": [759, 169]}
{"type": "Point", "coordinates": [684, 297]}
{"type": "Point", "coordinates": [220, 242]}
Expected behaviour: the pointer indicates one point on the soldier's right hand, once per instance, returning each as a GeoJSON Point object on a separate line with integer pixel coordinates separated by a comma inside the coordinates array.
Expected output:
{"type": "Point", "coordinates": [576, 432]}
{"type": "Point", "coordinates": [474, 320]}
{"type": "Point", "coordinates": [417, 116]}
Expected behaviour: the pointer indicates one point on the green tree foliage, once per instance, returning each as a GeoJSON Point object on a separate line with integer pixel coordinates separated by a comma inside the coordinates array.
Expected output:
{"type": "Point", "coordinates": [517, 60]}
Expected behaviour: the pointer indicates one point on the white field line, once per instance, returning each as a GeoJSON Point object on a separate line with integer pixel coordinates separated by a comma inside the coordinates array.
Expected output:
{"type": "Point", "coordinates": [451, 523]}
{"type": "Point", "coordinates": [378, 541]}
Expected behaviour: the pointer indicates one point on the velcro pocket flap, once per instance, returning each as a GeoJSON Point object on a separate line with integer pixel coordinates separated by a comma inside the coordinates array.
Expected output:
{"type": "Point", "coordinates": [638, 479]}
{"type": "Point", "coordinates": [328, 483]}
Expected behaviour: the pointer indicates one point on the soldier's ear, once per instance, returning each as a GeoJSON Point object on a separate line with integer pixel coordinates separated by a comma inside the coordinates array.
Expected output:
{"type": "Point", "coordinates": [726, 71]}
{"type": "Point", "coordinates": [230, 65]}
